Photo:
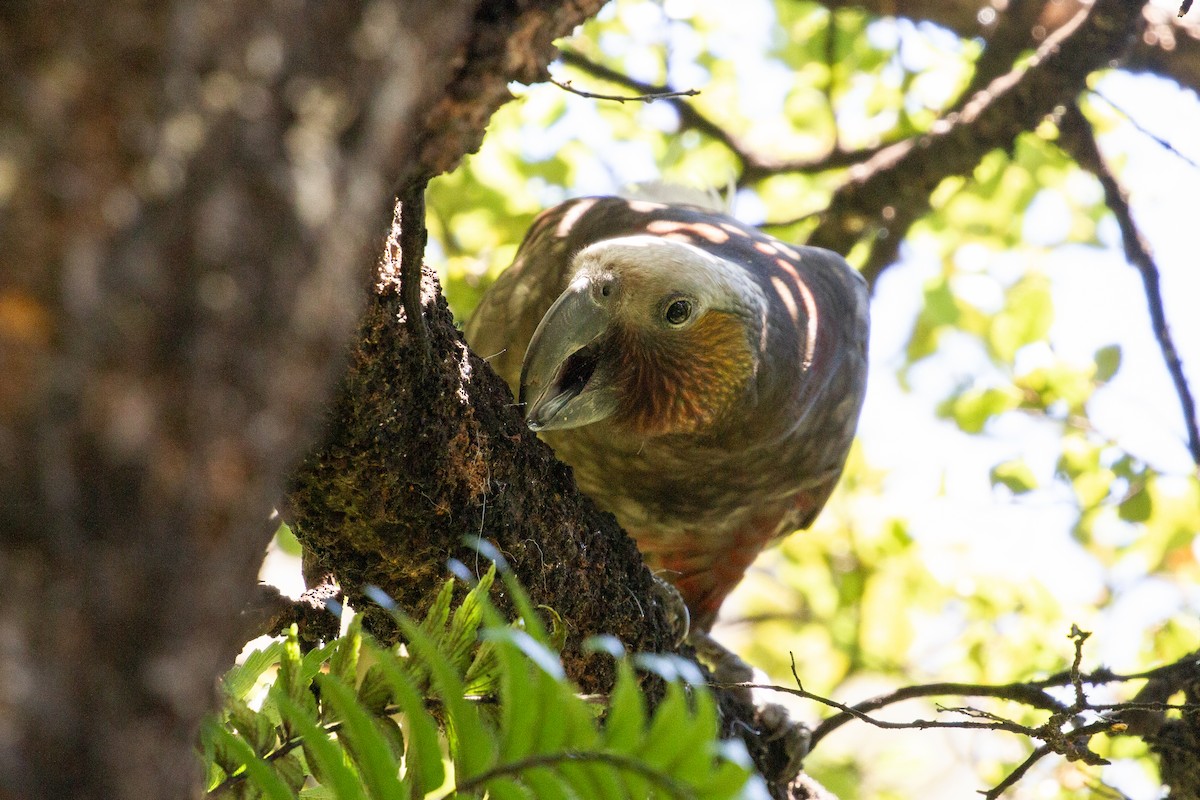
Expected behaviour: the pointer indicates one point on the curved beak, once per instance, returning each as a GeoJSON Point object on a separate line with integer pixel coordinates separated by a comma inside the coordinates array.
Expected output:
{"type": "Point", "coordinates": [565, 378]}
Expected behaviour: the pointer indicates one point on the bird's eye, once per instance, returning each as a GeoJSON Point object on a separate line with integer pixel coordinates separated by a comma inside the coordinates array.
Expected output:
{"type": "Point", "coordinates": [678, 312]}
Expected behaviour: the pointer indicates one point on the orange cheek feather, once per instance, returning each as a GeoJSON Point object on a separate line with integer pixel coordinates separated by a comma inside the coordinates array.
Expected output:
{"type": "Point", "coordinates": [681, 381]}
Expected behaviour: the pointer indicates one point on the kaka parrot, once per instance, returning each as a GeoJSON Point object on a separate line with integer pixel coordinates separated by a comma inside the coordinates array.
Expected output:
{"type": "Point", "coordinates": [702, 378]}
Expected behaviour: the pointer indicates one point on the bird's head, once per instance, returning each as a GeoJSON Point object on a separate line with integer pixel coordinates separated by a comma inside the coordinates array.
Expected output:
{"type": "Point", "coordinates": [656, 335]}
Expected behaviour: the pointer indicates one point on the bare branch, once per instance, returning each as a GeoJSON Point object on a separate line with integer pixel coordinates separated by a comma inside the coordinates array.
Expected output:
{"type": "Point", "coordinates": [753, 166]}
{"type": "Point", "coordinates": [624, 98]}
{"type": "Point", "coordinates": [1078, 637]}
{"type": "Point", "coordinates": [1010, 36]}
{"type": "Point", "coordinates": [853, 712]}
{"type": "Point", "coordinates": [413, 238]}
{"type": "Point", "coordinates": [1017, 692]}
{"type": "Point", "coordinates": [1018, 773]}
{"type": "Point", "coordinates": [1080, 141]}
{"type": "Point", "coordinates": [1160, 141]}
{"type": "Point", "coordinates": [905, 174]}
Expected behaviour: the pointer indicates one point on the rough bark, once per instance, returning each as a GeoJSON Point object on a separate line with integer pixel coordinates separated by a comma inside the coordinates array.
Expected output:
{"type": "Point", "coordinates": [193, 195]}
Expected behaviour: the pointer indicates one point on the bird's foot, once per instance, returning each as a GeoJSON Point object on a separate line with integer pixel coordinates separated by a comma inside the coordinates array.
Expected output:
{"type": "Point", "coordinates": [787, 738]}
{"type": "Point", "coordinates": [676, 610]}
{"type": "Point", "coordinates": [775, 730]}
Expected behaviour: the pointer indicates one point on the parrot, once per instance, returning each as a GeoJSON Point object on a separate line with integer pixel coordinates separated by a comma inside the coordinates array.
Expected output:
{"type": "Point", "coordinates": [702, 379]}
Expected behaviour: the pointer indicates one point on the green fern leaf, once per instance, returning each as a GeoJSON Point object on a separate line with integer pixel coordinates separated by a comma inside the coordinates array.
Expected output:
{"type": "Point", "coordinates": [423, 757]}
{"type": "Point", "coordinates": [344, 662]}
{"type": "Point", "coordinates": [367, 746]}
{"type": "Point", "coordinates": [473, 748]}
{"type": "Point", "coordinates": [241, 679]}
{"type": "Point", "coordinates": [626, 722]}
{"type": "Point", "coordinates": [265, 778]}
{"type": "Point", "coordinates": [460, 639]}
{"type": "Point", "coordinates": [508, 789]}
{"type": "Point", "coordinates": [323, 755]}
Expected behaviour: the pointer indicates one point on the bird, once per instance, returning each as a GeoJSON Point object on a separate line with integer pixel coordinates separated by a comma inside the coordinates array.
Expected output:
{"type": "Point", "coordinates": [702, 378]}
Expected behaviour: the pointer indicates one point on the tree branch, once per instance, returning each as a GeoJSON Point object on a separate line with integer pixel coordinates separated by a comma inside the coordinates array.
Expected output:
{"type": "Point", "coordinates": [1142, 129]}
{"type": "Point", "coordinates": [1080, 142]}
{"type": "Point", "coordinates": [753, 166]}
{"type": "Point", "coordinates": [624, 98]}
{"type": "Point", "coordinates": [905, 174]}
{"type": "Point", "coordinates": [1008, 38]}
{"type": "Point", "coordinates": [412, 238]}
{"type": "Point", "coordinates": [1167, 47]}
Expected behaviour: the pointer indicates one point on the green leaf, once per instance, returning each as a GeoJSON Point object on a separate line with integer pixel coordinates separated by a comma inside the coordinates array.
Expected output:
{"type": "Point", "coordinates": [668, 735]}
{"type": "Point", "coordinates": [546, 784]}
{"type": "Point", "coordinates": [257, 770]}
{"type": "Point", "coordinates": [550, 734]}
{"type": "Point", "coordinates": [1108, 361]}
{"type": "Point", "coordinates": [239, 680]}
{"type": "Point", "coordinates": [581, 778]}
{"type": "Point", "coordinates": [290, 770]}
{"type": "Point", "coordinates": [324, 756]}
{"type": "Point", "coordinates": [423, 757]}
{"type": "Point", "coordinates": [1015, 475]}
{"type": "Point", "coordinates": [520, 600]}
{"type": "Point", "coordinates": [438, 615]}
{"type": "Point", "coordinates": [519, 708]}
{"type": "Point", "coordinates": [375, 691]}
{"type": "Point", "coordinates": [508, 789]}
{"type": "Point", "coordinates": [390, 729]}
{"type": "Point", "coordinates": [286, 540]}
{"type": "Point", "coordinates": [972, 409]}
{"type": "Point", "coordinates": [463, 634]}
{"type": "Point", "coordinates": [626, 721]}
{"type": "Point", "coordinates": [257, 729]}
{"type": "Point", "coordinates": [1137, 507]}
{"type": "Point", "coordinates": [343, 664]}
{"type": "Point", "coordinates": [473, 751]}
{"type": "Point", "coordinates": [365, 743]}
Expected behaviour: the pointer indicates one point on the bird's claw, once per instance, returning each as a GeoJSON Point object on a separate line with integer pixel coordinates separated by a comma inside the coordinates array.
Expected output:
{"type": "Point", "coordinates": [787, 739]}
{"type": "Point", "coordinates": [677, 613]}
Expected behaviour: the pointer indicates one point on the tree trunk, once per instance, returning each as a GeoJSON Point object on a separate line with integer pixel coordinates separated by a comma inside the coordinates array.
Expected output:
{"type": "Point", "coordinates": [193, 194]}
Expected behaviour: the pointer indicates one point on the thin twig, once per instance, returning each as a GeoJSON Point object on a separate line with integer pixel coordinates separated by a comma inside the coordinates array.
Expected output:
{"type": "Point", "coordinates": [1078, 636]}
{"type": "Point", "coordinates": [1080, 139]}
{"type": "Point", "coordinates": [1011, 35]}
{"type": "Point", "coordinates": [1016, 692]}
{"type": "Point", "coordinates": [1018, 773]}
{"type": "Point", "coordinates": [649, 97]}
{"type": "Point", "coordinates": [855, 713]}
{"type": "Point", "coordinates": [753, 166]}
{"type": "Point", "coordinates": [1132, 120]}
